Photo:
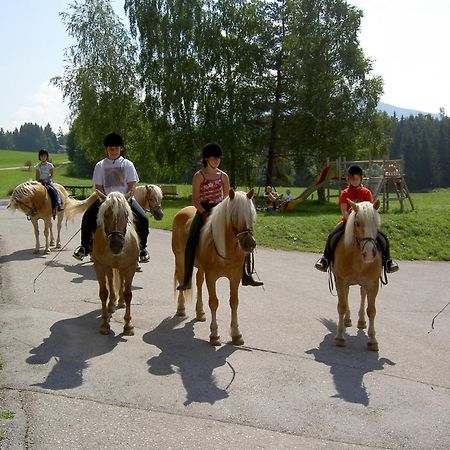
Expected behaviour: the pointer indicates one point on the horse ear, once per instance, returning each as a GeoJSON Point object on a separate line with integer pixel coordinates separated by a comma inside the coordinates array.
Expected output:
{"type": "Point", "coordinates": [231, 194]}
{"type": "Point", "coordinates": [376, 205]}
{"type": "Point", "coordinates": [148, 187]}
{"type": "Point", "coordinates": [101, 196]}
{"type": "Point", "coordinates": [353, 205]}
{"type": "Point", "coordinates": [251, 193]}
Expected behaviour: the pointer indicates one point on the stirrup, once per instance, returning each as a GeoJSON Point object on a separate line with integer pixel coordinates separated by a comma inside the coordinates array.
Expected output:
{"type": "Point", "coordinates": [144, 256]}
{"type": "Point", "coordinates": [391, 266]}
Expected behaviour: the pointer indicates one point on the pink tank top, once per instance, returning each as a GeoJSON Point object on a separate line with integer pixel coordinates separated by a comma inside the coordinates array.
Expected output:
{"type": "Point", "coordinates": [211, 190]}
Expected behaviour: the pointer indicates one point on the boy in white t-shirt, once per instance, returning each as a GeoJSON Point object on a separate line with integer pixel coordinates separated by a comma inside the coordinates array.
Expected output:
{"type": "Point", "coordinates": [113, 174]}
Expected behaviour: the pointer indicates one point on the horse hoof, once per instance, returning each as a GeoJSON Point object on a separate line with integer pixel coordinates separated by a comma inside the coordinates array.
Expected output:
{"type": "Point", "coordinates": [372, 346]}
{"type": "Point", "coordinates": [215, 341]}
{"type": "Point", "coordinates": [348, 323]}
{"type": "Point", "coordinates": [362, 324]}
{"type": "Point", "coordinates": [47, 251]}
{"type": "Point", "coordinates": [58, 246]}
{"type": "Point", "coordinates": [36, 251]}
{"type": "Point", "coordinates": [237, 340]}
{"type": "Point", "coordinates": [104, 330]}
{"type": "Point", "coordinates": [339, 342]}
{"type": "Point", "coordinates": [181, 313]}
{"type": "Point", "coordinates": [201, 317]}
{"type": "Point", "coordinates": [128, 331]}
{"type": "Point", "coordinates": [52, 243]}
{"type": "Point", "coordinates": [121, 305]}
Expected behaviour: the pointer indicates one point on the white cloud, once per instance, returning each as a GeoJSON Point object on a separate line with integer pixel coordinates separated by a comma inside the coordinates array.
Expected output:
{"type": "Point", "coordinates": [45, 106]}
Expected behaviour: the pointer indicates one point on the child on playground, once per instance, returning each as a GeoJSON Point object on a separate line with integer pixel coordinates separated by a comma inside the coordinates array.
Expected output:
{"type": "Point", "coordinates": [210, 186]}
{"type": "Point", "coordinates": [44, 174]}
{"type": "Point", "coordinates": [113, 174]}
{"type": "Point", "coordinates": [356, 192]}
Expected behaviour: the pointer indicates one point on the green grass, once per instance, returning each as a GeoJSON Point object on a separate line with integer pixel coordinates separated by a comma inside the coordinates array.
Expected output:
{"type": "Point", "coordinates": [421, 234]}
{"type": "Point", "coordinates": [6, 415]}
{"type": "Point", "coordinates": [12, 158]}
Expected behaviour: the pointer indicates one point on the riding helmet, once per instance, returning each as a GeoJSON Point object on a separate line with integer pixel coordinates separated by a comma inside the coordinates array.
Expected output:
{"type": "Point", "coordinates": [43, 152]}
{"type": "Point", "coordinates": [355, 170]}
{"type": "Point", "coordinates": [212, 149]}
{"type": "Point", "coordinates": [113, 140]}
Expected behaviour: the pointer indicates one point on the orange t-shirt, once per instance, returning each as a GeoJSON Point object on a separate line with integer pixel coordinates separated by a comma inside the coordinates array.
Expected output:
{"type": "Point", "coordinates": [355, 194]}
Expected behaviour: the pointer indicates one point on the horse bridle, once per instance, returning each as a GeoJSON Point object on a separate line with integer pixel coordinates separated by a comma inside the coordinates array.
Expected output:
{"type": "Point", "coordinates": [239, 235]}
{"type": "Point", "coordinates": [151, 210]}
{"type": "Point", "coordinates": [361, 243]}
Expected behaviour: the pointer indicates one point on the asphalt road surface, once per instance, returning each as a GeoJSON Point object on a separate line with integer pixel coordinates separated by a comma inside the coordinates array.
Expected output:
{"type": "Point", "coordinates": [165, 387]}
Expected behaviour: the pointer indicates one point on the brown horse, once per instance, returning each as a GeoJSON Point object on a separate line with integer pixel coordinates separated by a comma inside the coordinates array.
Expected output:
{"type": "Point", "coordinates": [150, 197]}
{"type": "Point", "coordinates": [358, 262]}
{"type": "Point", "coordinates": [225, 240]}
{"type": "Point", "coordinates": [33, 199]}
{"type": "Point", "coordinates": [115, 252]}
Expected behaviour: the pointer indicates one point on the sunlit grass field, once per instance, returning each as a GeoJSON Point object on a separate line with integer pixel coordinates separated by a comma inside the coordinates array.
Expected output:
{"type": "Point", "coordinates": [422, 234]}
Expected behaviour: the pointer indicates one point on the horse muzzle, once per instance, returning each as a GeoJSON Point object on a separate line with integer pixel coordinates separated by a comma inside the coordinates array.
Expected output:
{"type": "Point", "coordinates": [246, 241]}
{"type": "Point", "coordinates": [116, 242]}
{"type": "Point", "coordinates": [157, 213]}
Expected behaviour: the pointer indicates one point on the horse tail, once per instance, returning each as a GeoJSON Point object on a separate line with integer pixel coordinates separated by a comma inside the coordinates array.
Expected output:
{"type": "Point", "coordinates": [75, 206]}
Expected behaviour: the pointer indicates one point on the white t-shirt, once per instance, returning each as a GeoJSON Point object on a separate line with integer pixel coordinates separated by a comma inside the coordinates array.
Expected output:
{"type": "Point", "coordinates": [114, 175]}
{"type": "Point", "coordinates": [44, 169]}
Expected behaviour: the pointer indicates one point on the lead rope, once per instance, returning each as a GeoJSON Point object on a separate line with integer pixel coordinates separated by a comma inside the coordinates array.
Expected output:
{"type": "Point", "coordinates": [49, 263]}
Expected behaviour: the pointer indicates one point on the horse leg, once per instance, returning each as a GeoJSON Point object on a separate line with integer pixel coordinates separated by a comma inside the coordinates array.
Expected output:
{"type": "Point", "coordinates": [347, 318]}
{"type": "Point", "coordinates": [362, 313]}
{"type": "Point", "coordinates": [236, 336]}
{"type": "Point", "coordinates": [200, 313]}
{"type": "Point", "coordinates": [103, 294]}
{"type": "Point", "coordinates": [342, 306]}
{"type": "Point", "coordinates": [178, 279]}
{"type": "Point", "coordinates": [60, 216]}
{"type": "Point", "coordinates": [128, 328]}
{"type": "Point", "coordinates": [52, 237]}
{"type": "Point", "coordinates": [112, 290]}
{"type": "Point", "coordinates": [47, 230]}
{"type": "Point", "coordinates": [214, 338]}
{"type": "Point", "coordinates": [36, 235]}
{"type": "Point", "coordinates": [121, 288]}
{"type": "Point", "coordinates": [371, 312]}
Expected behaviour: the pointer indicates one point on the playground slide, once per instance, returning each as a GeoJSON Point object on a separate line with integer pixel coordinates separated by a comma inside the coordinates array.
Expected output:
{"type": "Point", "coordinates": [324, 177]}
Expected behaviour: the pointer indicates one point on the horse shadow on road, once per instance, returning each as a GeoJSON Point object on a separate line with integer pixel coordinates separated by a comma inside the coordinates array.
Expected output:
{"type": "Point", "coordinates": [348, 365]}
{"type": "Point", "coordinates": [193, 358]}
{"type": "Point", "coordinates": [71, 343]}
{"type": "Point", "coordinates": [22, 255]}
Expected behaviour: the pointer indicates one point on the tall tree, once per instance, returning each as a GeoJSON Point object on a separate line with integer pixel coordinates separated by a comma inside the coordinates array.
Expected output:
{"type": "Point", "coordinates": [99, 79]}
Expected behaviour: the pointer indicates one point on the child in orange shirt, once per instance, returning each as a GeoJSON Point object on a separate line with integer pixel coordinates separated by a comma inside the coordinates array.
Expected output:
{"type": "Point", "coordinates": [356, 192]}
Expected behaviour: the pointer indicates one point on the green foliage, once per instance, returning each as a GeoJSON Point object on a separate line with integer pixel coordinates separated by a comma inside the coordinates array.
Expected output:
{"type": "Point", "coordinates": [6, 415]}
{"type": "Point", "coordinates": [29, 137]}
{"type": "Point", "coordinates": [99, 81]}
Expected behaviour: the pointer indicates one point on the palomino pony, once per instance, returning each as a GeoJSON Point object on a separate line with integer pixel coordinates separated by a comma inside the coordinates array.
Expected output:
{"type": "Point", "coordinates": [150, 197]}
{"type": "Point", "coordinates": [33, 199]}
{"type": "Point", "coordinates": [115, 251]}
{"type": "Point", "coordinates": [358, 261]}
{"type": "Point", "coordinates": [225, 240]}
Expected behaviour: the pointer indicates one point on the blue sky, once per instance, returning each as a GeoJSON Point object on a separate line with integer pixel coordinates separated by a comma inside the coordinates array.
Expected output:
{"type": "Point", "coordinates": [406, 39]}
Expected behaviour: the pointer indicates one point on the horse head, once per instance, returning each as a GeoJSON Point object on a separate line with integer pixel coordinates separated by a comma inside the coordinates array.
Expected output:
{"type": "Point", "coordinates": [362, 227]}
{"type": "Point", "coordinates": [26, 195]}
{"type": "Point", "coordinates": [114, 216]}
{"type": "Point", "coordinates": [242, 223]}
{"type": "Point", "coordinates": [154, 196]}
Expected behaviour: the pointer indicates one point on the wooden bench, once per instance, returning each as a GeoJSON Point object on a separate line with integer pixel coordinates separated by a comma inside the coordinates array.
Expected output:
{"type": "Point", "coordinates": [169, 190]}
{"type": "Point", "coordinates": [78, 190]}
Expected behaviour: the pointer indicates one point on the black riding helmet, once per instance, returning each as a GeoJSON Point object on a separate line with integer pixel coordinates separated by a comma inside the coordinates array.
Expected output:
{"type": "Point", "coordinates": [212, 149]}
{"type": "Point", "coordinates": [113, 140]}
{"type": "Point", "coordinates": [355, 170]}
{"type": "Point", "coordinates": [43, 152]}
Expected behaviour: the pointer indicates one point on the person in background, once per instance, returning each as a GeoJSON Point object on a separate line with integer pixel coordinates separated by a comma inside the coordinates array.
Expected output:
{"type": "Point", "coordinates": [210, 186]}
{"type": "Point", "coordinates": [271, 197]}
{"type": "Point", "coordinates": [113, 174]}
{"type": "Point", "coordinates": [44, 174]}
{"type": "Point", "coordinates": [356, 192]}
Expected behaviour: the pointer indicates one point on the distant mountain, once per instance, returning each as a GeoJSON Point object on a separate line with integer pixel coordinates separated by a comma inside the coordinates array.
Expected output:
{"type": "Point", "coordinates": [391, 109]}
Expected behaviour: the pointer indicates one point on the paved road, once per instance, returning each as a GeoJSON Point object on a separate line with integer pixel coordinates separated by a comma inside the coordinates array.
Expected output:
{"type": "Point", "coordinates": [288, 387]}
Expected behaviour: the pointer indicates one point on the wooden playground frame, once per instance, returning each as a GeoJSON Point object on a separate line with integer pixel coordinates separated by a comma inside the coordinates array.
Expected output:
{"type": "Point", "coordinates": [384, 177]}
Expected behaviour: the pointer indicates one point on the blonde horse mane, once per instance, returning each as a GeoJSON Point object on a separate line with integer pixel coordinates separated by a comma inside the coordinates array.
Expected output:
{"type": "Point", "coordinates": [369, 217]}
{"type": "Point", "coordinates": [119, 206]}
{"type": "Point", "coordinates": [238, 212]}
{"type": "Point", "coordinates": [21, 192]}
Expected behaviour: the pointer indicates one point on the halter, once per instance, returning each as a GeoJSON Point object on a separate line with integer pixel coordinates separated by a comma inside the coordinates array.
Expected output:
{"type": "Point", "coordinates": [115, 233]}
{"type": "Point", "coordinates": [361, 243]}
{"type": "Point", "coordinates": [239, 235]}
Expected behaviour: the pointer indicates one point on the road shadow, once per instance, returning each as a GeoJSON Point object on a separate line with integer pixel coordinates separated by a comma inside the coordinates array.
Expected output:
{"type": "Point", "coordinates": [23, 255]}
{"type": "Point", "coordinates": [72, 343]}
{"type": "Point", "coordinates": [348, 365]}
{"type": "Point", "coordinates": [194, 359]}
